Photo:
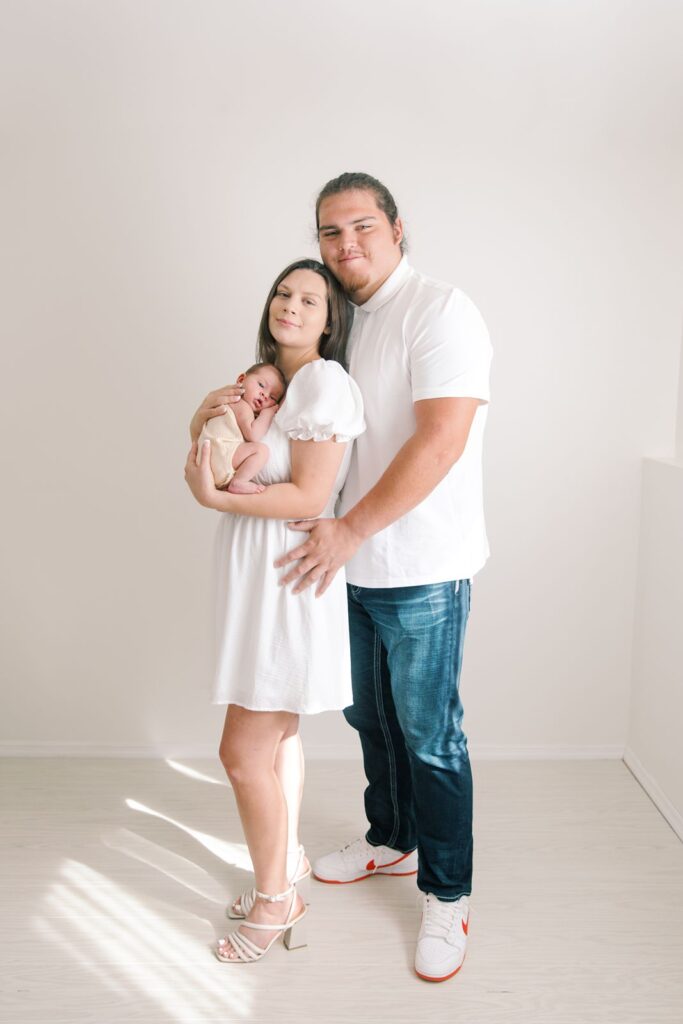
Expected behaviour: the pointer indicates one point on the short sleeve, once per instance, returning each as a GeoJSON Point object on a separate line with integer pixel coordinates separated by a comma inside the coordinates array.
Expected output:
{"type": "Point", "coordinates": [322, 402]}
{"type": "Point", "coordinates": [450, 351]}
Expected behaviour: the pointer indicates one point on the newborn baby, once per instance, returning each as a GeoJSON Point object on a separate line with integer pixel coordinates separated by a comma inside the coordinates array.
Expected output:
{"type": "Point", "coordinates": [236, 455]}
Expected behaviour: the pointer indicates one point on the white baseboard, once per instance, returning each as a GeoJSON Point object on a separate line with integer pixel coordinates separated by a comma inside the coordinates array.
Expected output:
{"type": "Point", "coordinates": [314, 751]}
{"type": "Point", "coordinates": [75, 748]}
{"type": "Point", "coordinates": [485, 752]}
{"type": "Point", "coordinates": [562, 752]}
{"type": "Point", "coordinates": [654, 791]}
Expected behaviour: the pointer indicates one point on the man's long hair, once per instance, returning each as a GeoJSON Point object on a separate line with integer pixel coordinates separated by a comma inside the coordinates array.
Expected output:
{"type": "Point", "coordinates": [359, 181]}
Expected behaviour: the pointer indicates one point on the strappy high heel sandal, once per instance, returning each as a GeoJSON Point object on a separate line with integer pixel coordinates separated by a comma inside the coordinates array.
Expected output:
{"type": "Point", "coordinates": [300, 877]}
{"type": "Point", "coordinates": [245, 951]}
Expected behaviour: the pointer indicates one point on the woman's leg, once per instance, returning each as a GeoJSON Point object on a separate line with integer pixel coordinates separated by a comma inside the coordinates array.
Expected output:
{"type": "Point", "coordinates": [289, 768]}
{"type": "Point", "coordinates": [248, 751]}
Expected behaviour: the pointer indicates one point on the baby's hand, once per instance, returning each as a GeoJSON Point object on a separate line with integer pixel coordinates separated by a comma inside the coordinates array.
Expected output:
{"type": "Point", "coordinates": [268, 413]}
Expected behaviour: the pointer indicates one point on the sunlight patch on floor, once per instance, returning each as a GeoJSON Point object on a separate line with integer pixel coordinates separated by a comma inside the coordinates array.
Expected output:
{"type": "Point", "coordinates": [127, 945]}
{"type": "Point", "coordinates": [235, 854]}
{"type": "Point", "coordinates": [192, 773]}
{"type": "Point", "coordinates": [175, 867]}
{"type": "Point", "coordinates": [52, 936]}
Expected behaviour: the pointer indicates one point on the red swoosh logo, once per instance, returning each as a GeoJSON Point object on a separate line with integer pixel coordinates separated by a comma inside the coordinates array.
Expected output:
{"type": "Point", "coordinates": [370, 866]}
{"type": "Point", "coordinates": [465, 925]}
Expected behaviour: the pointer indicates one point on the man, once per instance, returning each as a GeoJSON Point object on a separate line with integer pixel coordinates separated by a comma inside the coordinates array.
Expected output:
{"type": "Point", "coordinates": [411, 533]}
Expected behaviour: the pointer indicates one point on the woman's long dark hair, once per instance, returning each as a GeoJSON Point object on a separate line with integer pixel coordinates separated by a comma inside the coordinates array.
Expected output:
{"type": "Point", "coordinates": [339, 316]}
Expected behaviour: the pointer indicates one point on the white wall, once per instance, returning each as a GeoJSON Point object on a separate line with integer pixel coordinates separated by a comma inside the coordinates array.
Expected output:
{"type": "Point", "coordinates": [679, 424]}
{"type": "Point", "coordinates": [161, 161]}
{"type": "Point", "coordinates": [654, 750]}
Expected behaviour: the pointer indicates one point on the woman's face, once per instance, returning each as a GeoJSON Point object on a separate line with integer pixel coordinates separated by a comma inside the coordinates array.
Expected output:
{"type": "Point", "coordinates": [298, 311]}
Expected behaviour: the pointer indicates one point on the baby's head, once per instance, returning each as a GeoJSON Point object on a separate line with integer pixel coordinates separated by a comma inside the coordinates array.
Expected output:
{"type": "Point", "coordinates": [264, 385]}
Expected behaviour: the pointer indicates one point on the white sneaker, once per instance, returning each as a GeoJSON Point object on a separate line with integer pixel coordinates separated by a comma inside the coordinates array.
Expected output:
{"type": "Point", "coordinates": [442, 941]}
{"type": "Point", "coordinates": [360, 860]}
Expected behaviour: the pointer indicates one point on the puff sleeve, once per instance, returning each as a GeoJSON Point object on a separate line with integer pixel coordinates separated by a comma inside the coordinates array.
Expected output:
{"type": "Point", "coordinates": [322, 402]}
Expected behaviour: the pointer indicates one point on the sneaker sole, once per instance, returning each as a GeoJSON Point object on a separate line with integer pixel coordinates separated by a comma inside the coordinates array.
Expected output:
{"type": "Point", "coordinates": [428, 977]}
{"type": "Point", "coordinates": [361, 878]}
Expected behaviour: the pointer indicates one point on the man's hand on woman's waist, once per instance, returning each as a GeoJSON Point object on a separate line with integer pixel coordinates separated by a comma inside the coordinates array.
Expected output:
{"type": "Point", "coordinates": [331, 543]}
{"type": "Point", "coordinates": [442, 429]}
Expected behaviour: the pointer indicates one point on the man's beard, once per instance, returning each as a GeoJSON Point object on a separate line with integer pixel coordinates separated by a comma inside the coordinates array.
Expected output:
{"type": "Point", "coordinates": [353, 283]}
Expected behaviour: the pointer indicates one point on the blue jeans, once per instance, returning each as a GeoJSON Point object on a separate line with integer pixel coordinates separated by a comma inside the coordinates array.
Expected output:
{"type": "Point", "coordinates": [406, 652]}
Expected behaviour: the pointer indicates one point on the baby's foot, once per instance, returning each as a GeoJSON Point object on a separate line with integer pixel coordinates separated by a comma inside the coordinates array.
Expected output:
{"type": "Point", "coordinates": [245, 487]}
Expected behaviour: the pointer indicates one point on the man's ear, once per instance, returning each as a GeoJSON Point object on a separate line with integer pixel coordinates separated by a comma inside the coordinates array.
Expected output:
{"type": "Point", "coordinates": [398, 230]}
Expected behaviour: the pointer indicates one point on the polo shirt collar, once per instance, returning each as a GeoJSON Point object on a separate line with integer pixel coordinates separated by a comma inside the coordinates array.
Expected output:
{"type": "Point", "coordinates": [389, 288]}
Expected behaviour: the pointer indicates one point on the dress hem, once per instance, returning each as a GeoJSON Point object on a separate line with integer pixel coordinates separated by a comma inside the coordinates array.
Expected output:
{"type": "Point", "coordinates": [290, 711]}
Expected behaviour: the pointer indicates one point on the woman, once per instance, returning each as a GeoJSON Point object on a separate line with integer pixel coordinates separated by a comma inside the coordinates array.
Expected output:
{"type": "Point", "coordinates": [280, 654]}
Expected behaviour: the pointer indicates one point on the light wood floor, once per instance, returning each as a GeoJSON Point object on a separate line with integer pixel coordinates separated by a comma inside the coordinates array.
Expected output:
{"type": "Point", "coordinates": [116, 873]}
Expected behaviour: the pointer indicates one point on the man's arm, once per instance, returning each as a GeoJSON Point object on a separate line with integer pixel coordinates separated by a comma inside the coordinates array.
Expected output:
{"type": "Point", "coordinates": [442, 426]}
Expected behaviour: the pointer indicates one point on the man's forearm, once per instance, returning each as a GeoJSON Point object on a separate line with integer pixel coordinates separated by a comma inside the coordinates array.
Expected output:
{"type": "Point", "coordinates": [442, 426]}
{"type": "Point", "coordinates": [413, 474]}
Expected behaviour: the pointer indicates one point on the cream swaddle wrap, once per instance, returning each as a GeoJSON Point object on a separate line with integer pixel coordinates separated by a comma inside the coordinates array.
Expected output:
{"type": "Point", "coordinates": [225, 437]}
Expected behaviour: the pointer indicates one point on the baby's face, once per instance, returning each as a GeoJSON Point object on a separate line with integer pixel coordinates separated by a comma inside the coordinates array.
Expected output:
{"type": "Point", "coordinates": [262, 388]}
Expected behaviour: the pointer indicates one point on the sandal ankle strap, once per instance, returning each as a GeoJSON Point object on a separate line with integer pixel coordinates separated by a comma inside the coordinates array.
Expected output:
{"type": "Point", "coordinates": [277, 898]}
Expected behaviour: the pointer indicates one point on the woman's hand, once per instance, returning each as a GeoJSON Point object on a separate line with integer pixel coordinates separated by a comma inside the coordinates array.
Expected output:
{"type": "Point", "coordinates": [200, 478]}
{"type": "Point", "coordinates": [215, 404]}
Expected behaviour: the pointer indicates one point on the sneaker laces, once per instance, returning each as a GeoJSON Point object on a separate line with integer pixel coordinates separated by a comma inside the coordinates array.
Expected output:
{"type": "Point", "coordinates": [439, 917]}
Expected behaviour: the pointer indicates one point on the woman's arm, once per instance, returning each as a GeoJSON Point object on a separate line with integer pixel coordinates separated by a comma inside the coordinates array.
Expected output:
{"type": "Point", "coordinates": [214, 404]}
{"type": "Point", "coordinates": [315, 465]}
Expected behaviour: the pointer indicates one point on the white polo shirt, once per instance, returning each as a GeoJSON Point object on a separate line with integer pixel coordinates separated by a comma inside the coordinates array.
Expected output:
{"type": "Point", "coordinates": [414, 339]}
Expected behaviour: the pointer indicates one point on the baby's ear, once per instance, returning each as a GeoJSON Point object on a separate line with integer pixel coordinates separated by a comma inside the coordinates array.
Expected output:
{"type": "Point", "coordinates": [242, 377]}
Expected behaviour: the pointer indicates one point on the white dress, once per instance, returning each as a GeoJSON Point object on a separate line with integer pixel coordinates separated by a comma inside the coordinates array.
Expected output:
{"type": "Point", "coordinates": [279, 651]}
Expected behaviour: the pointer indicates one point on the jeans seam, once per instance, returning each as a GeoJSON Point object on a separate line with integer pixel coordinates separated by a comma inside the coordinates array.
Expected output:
{"type": "Point", "coordinates": [387, 737]}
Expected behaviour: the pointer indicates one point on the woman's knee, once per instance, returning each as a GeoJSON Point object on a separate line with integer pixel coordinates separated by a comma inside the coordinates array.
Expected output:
{"type": "Point", "coordinates": [250, 743]}
{"type": "Point", "coordinates": [244, 763]}
{"type": "Point", "coordinates": [233, 758]}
